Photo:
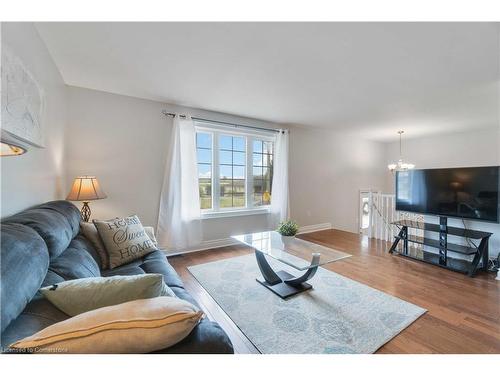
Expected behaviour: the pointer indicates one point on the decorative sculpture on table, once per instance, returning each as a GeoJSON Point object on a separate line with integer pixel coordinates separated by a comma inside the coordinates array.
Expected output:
{"type": "Point", "coordinates": [22, 104]}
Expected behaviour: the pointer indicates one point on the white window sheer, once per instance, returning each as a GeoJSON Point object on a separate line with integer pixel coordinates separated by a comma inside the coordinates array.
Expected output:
{"type": "Point", "coordinates": [280, 205]}
{"type": "Point", "coordinates": [179, 224]}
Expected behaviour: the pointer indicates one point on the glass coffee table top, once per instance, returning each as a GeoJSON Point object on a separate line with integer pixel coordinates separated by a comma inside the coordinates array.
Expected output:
{"type": "Point", "coordinates": [292, 251]}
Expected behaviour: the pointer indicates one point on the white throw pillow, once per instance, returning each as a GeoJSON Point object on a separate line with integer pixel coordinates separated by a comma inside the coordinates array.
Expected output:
{"type": "Point", "coordinates": [81, 295]}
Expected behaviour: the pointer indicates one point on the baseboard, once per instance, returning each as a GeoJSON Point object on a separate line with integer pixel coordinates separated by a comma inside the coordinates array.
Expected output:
{"type": "Point", "coordinates": [315, 228]}
{"type": "Point", "coordinates": [223, 242]}
{"type": "Point", "coordinates": [206, 245]}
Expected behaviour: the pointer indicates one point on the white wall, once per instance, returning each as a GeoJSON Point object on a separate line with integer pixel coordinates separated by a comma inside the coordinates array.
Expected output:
{"type": "Point", "coordinates": [470, 149]}
{"type": "Point", "coordinates": [36, 176]}
{"type": "Point", "coordinates": [327, 171]}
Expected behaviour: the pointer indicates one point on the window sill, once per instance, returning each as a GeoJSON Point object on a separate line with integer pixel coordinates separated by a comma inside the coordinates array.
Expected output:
{"type": "Point", "coordinates": [222, 214]}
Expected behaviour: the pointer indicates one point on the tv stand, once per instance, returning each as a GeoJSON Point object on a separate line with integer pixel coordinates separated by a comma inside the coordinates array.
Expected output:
{"type": "Point", "coordinates": [469, 266]}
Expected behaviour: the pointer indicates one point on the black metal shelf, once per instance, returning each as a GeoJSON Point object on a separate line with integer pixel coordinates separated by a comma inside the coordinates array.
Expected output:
{"type": "Point", "coordinates": [454, 264]}
{"type": "Point", "coordinates": [478, 257]}
{"type": "Point", "coordinates": [454, 231]}
{"type": "Point", "coordinates": [435, 243]}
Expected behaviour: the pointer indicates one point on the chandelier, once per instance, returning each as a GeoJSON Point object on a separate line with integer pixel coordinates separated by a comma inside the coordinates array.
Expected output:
{"type": "Point", "coordinates": [400, 165]}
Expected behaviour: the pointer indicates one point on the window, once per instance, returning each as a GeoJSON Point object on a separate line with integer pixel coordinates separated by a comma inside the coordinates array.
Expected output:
{"type": "Point", "coordinates": [235, 169]}
{"type": "Point", "coordinates": [262, 172]}
{"type": "Point", "coordinates": [204, 147]}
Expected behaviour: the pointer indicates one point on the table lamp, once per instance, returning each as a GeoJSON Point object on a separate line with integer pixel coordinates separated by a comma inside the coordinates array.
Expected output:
{"type": "Point", "coordinates": [85, 189]}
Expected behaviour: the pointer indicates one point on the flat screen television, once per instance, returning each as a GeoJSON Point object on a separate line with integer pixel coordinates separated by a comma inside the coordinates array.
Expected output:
{"type": "Point", "coordinates": [468, 193]}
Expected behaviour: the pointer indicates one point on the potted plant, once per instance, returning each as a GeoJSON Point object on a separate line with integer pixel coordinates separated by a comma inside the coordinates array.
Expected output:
{"type": "Point", "coordinates": [288, 229]}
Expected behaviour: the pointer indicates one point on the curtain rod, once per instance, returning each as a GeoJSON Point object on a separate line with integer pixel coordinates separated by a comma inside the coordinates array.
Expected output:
{"type": "Point", "coordinates": [221, 122]}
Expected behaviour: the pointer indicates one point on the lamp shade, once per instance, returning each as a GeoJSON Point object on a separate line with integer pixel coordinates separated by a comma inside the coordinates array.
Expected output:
{"type": "Point", "coordinates": [10, 149]}
{"type": "Point", "coordinates": [85, 188]}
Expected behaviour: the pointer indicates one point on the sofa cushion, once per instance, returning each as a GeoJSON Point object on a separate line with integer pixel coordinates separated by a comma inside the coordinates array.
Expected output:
{"type": "Point", "coordinates": [206, 338]}
{"type": "Point", "coordinates": [24, 263]}
{"type": "Point", "coordinates": [37, 315]}
{"type": "Point", "coordinates": [75, 263]}
{"type": "Point", "coordinates": [56, 222]}
{"type": "Point", "coordinates": [154, 262]}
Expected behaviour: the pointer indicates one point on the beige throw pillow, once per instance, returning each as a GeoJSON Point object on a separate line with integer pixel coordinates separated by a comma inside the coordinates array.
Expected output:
{"type": "Point", "coordinates": [89, 230]}
{"type": "Point", "coordinates": [124, 239]}
{"type": "Point", "coordinates": [140, 326]}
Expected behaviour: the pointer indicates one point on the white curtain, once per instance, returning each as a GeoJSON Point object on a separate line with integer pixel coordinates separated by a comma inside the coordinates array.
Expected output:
{"type": "Point", "coordinates": [179, 224]}
{"type": "Point", "coordinates": [280, 201]}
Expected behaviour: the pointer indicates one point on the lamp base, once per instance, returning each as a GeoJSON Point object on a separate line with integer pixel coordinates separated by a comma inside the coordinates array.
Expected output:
{"type": "Point", "coordinates": [85, 211]}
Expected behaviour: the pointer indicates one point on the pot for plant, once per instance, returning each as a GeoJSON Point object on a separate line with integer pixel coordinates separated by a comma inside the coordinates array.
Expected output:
{"type": "Point", "coordinates": [287, 239]}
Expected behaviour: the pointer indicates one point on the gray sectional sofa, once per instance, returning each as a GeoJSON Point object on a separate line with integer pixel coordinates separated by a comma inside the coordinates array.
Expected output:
{"type": "Point", "coordinates": [42, 246]}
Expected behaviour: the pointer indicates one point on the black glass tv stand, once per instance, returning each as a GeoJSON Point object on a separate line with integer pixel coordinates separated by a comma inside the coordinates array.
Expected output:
{"type": "Point", "coordinates": [471, 260]}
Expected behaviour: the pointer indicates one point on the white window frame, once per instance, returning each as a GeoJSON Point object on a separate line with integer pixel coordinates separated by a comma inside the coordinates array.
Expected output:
{"type": "Point", "coordinates": [250, 135]}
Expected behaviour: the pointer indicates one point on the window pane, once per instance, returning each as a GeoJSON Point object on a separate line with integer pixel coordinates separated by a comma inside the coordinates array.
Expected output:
{"type": "Point", "coordinates": [266, 160]}
{"type": "Point", "coordinates": [239, 144]}
{"type": "Point", "coordinates": [226, 157]}
{"type": "Point", "coordinates": [257, 159]}
{"type": "Point", "coordinates": [204, 156]}
{"type": "Point", "coordinates": [257, 200]}
{"type": "Point", "coordinates": [238, 158]}
{"type": "Point", "coordinates": [266, 185]}
{"type": "Point", "coordinates": [226, 142]}
{"type": "Point", "coordinates": [239, 200]}
{"type": "Point", "coordinates": [266, 198]}
{"type": "Point", "coordinates": [204, 140]}
{"type": "Point", "coordinates": [226, 186]}
{"type": "Point", "coordinates": [239, 172]}
{"type": "Point", "coordinates": [205, 186]}
{"type": "Point", "coordinates": [205, 202]}
{"type": "Point", "coordinates": [266, 173]}
{"type": "Point", "coordinates": [257, 172]}
{"type": "Point", "coordinates": [232, 167]}
{"type": "Point", "coordinates": [226, 171]}
{"type": "Point", "coordinates": [257, 146]}
{"type": "Point", "coordinates": [204, 171]}
{"type": "Point", "coordinates": [258, 185]}
{"type": "Point", "coordinates": [267, 147]}
{"type": "Point", "coordinates": [226, 201]}
{"type": "Point", "coordinates": [239, 186]}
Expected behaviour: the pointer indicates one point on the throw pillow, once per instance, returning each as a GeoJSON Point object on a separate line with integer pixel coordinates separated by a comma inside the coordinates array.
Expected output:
{"type": "Point", "coordinates": [140, 326]}
{"type": "Point", "coordinates": [151, 234]}
{"type": "Point", "coordinates": [81, 295]}
{"type": "Point", "coordinates": [89, 230]}
{"type": "Point", "coordinates": [124, 239]}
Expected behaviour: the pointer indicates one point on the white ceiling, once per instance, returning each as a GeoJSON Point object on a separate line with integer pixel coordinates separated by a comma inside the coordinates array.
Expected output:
{"type": "Point", "coordinates": [371, 78]}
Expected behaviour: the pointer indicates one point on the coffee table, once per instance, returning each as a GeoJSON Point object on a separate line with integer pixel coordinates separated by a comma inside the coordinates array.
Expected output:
{"type": "Point", "coordinates": [299, 254]}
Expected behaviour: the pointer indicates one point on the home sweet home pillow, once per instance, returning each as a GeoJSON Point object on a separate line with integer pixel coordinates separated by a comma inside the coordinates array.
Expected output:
{"type": "Point", "coordinates": [124, 239]}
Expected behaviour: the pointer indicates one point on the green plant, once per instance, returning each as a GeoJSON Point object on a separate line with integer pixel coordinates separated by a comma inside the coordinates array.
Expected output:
{"type": "Point", "coordinates": [288, 228]}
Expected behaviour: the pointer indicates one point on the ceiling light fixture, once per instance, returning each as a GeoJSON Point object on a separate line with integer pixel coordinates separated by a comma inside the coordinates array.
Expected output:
{"type": "Point", "coordinates": [400, 165]}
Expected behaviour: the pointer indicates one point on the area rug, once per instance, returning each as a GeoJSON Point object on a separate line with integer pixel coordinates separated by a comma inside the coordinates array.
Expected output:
{"type": "Point", "coordinates": [338, 315]}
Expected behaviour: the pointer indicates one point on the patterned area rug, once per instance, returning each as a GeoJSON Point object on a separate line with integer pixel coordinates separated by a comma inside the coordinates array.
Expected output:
{"type": "Point", "coordinates": [338, 315]}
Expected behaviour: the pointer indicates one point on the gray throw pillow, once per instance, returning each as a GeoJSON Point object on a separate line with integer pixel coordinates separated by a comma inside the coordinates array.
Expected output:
{"type": "Point", "coordinates": [78, 296]}
{"type": "Point", "coordinates": [89, 230]}
{"type": "Point", "coordinates": [124, 239]}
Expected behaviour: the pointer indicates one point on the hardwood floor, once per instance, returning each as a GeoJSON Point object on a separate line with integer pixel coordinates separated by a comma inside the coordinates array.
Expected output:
{"type": "Point", "coordinates": [463, 313]}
